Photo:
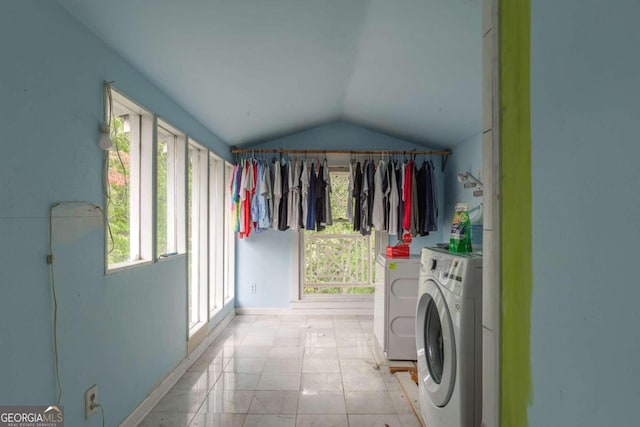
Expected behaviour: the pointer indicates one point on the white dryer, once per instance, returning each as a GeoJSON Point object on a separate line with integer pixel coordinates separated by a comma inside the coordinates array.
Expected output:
{"type": "Point", "coordinates": [449, 339]}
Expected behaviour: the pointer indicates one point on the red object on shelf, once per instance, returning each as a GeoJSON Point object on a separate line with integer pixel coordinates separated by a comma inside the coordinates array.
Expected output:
{"type": "Point", "coordinates": [401, 250]}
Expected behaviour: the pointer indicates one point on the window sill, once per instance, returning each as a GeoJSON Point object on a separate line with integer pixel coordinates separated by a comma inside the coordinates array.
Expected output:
{"type": "Point", "coordinates": [164, 258]}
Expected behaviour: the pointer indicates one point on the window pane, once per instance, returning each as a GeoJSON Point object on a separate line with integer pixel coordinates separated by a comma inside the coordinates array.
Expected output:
{"type": "Point", "coordinates": [162, 191]}
{"type": "Point", "coordinates": [128, 184]}
{"type": "Point", "coordinates": [337, 261]}
{"type": "Point", "coordinates": [229, 239]}
{"type": "Point", "coordinates": [192, 209]}
{"type": "Point", "coordinates": [434, 342]}
{"type": "Point", "coordinates": [119, 203]}
{"type": "Point", "coordinates": [216, 248]}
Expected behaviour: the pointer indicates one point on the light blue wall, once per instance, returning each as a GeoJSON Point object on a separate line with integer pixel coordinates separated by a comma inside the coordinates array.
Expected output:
{"type": "Point", "coordinates": [585, 110]}
{"type": "Point", "coordinates": [124, 331]}
{"type": "Point", "coordinates": [266, 259]}
{"type": "Point", "coordinates": [467, 157]}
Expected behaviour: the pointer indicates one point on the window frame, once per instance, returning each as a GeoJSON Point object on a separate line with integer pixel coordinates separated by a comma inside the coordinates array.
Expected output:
{"type": "Point", "coordinates": [140, 187]}
{"type": "Point", "coordinates": [370, 262]}
{"type": "Point", "coordinates": [176, 191]}
{"type": "Point", "coordinates": [216, 234]}
{"type": "Point", "coordinates": [199, 247]}
{"type": "Point", "coordinates": [229, 235]}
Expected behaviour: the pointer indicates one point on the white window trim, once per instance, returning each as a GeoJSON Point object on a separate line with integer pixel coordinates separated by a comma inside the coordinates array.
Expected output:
{"type": "Point", "coordinates": [176, 199]}
{"type": "Point", "coordinates": [141, 195]}
{"type": "Point", "coordinates": [216, 234]}
{"type": "Point", "coordinates": [197, 230]}
{"type": "Point", "coordinates": [338, 162]}
{"type": "Point", "coordinates": [229, 280]}
{"type": "Point", "coordinates": [320, 302]}
{"type": "Point", "coordinates": [296, 261]}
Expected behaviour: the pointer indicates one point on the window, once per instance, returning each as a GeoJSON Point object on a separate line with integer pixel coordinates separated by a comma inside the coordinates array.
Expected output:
{"type": "Point", "coordinates": [197, 178]}
{"type": "Point", "coordinates": [128, 184]}
{"type": "Point", "coordinates": [338, 261]}
{"type": "Point", "coordinates": [216, 234]}
{"type": "Point", "coordinates": [170, 184]}
{"type": "Point", "coordinates": [229, 238]}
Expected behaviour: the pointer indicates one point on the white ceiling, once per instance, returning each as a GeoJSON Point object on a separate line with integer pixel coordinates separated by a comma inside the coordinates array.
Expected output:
{"type": "Point", "coordinates": [250, 70]}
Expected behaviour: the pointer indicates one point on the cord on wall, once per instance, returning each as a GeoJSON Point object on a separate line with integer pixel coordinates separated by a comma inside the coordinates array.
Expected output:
{"type": "Point", "coordinates": [51, 261]}
{"type": "Point", "coordinates": [99, 406]}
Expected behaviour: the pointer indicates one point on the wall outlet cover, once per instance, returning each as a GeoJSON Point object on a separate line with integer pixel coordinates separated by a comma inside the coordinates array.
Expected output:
{"type": "Point", "coordinates": [90, 396]}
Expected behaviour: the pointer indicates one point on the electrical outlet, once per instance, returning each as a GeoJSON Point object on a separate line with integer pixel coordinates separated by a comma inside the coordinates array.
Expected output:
{"type": "Point", "coordinates": [90, 397]}
{"type": "Point", "coordinates": [252, 288]}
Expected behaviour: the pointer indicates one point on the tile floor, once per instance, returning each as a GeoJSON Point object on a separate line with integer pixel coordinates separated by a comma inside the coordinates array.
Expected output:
{"type": "Point", "coordinates": [288, 371]}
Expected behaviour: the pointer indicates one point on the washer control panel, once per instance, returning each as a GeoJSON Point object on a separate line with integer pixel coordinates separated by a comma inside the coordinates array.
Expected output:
{"type": "Point", "coordinates": [447, 270]}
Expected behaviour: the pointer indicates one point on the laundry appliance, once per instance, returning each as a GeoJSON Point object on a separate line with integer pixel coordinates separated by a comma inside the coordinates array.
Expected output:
{"type": "Point", "coordinates": [449, 338]}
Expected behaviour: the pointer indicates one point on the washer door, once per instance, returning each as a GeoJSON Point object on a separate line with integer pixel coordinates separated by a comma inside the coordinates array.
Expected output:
{"type": "Point", "coordinates": [435, 345]}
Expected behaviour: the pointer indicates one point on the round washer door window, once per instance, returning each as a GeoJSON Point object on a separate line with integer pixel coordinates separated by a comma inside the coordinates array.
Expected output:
{"type": "Point", "coordinates": [435, 344]}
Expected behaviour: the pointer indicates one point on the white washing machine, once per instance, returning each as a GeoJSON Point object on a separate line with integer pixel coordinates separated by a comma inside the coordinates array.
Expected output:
{"type": "Point", "coordinates": [449, 338]}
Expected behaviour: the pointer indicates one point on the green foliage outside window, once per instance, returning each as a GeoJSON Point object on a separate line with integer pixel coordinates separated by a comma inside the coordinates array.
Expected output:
{"type": "Point", "coordinates": [339, 198]}
{"type": "Point", "coordinates": [118, 208]}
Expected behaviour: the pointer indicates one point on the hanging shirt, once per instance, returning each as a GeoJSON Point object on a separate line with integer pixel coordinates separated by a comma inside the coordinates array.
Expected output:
{"type": "Point", "coordinates": [394, 198]}
{"type": "Point", "coordinates": [400, 186]}
{"type": "Point", "coordinates": [284, 200]}
{"type": "Point", "coordinates": [248, 190]}
{"type": "Point", "coordinates": [304, 194]}
{"type": "Point", "coordinates": [349, 194]}
{"type": "Point", "coordinates": [377, 219]}
{"type": "Point", "coordinates": [406, 195]}
{"type": "Point", "coordinates": [432, 200]}
{"type": "Point", "coordinates": [370, 178]}
{"type": "Point", "coordinates": [386, 190]}
{"type": "Point", "coordinates": [320, 201]}
{"type": "Point", "coordinates": [310, 223]}
{"type": "Point", "coordinates": [295, 221]}
{"type": "Point", "coordinates": [264, 193]}
{"type": "Point", "coordinates": [242, 194]}
{"type": "Point", "coordinates": [414, 202]}
{"type": "Point", "coordinates": [291, 186]}
{"type": "Point", "coordinates": [357, 202]}
{"type": "Point", "coordinates": [234, 188]}
{"type": "Point", "coordinates": [421, 184]}
{"type": "Point", "coordinates": [365, 209]}
{"type": "Point", "coordinates": [328, 216]}
{"type": "Point", "coordinates": [255, 201]}
{"type": "Point", "coordinates": [277, 193]}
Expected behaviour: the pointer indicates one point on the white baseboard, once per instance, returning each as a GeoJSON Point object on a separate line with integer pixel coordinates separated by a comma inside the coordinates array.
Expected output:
{"type": "Point", "coordinates": [172, 378]}
{"type": "Point", "coordinates": [264, 311]}
{"type": "Point", "coordinates": [310, 309]}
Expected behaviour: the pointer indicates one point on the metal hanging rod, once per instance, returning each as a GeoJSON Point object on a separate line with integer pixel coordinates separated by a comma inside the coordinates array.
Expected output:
{"type": "Point", "coordinates": [369, 152]}
{"type": "Point", "coordinates": [444, 153]}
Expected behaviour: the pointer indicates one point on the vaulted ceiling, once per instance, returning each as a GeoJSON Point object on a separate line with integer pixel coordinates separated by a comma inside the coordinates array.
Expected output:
{"type": "Point", "coordinates": [251, 70]}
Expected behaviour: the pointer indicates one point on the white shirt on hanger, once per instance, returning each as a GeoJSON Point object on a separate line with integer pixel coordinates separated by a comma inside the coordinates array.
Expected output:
{"type": "Point", "coordinates": [378, 202]}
